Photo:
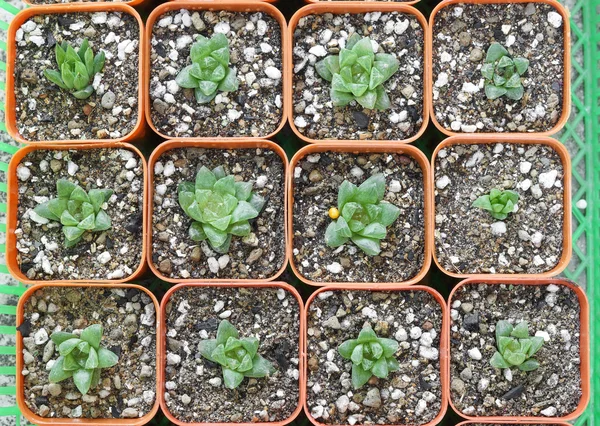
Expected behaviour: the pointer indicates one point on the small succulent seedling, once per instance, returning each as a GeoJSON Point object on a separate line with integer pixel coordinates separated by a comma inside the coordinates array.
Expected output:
{"type": "Point", "coordinates": [498, 203]}
{"type": "Point", "coordinates": [502, 73]}
{"type": "Point", "coordinates": [358, 73]}
{"type": "Point", "coordinates": [370, 356]}
{"type": "Point", "coordinates": [238, 358]}
{"type": "Point", "coordinates": [209, 71]}
{"type": "Point", "coordinates": [516, 347]}
{"type": "Point", "coordinates": [219, 206]}
{"type": "Point", "coordinates": [76, 70]}
{"type": "Point", "coordinates": [364, 218]}
{"type": "Point", "coordinates": [81, 357]}
{"type": "Point", "coordinates": [76, 210]}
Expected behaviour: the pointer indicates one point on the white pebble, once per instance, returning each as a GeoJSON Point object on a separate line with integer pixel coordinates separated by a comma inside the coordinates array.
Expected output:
{"type": "Point", "coordinates": [555, 19]}
{"type": "Point", "coordinates": [547, 179]}
{"type": "Point", "coordinates": [104, 257]}
{"type": "Point", "coordinates": [475, 354]}
{"type": "Point", "coordinates": [498, 228]}
{"type": "Point", "coordinates": [318, 50]}
{"type": "Point", "coordinates": [273, 73]}
{"type": "Point", "coordinates": [222, 27]}
{"type": "Point", "coordinates": [334, 268]}
{"type": "Point", "coordinates": [525, 166]}
{"type": "Point", "coordinates": [442, 182]}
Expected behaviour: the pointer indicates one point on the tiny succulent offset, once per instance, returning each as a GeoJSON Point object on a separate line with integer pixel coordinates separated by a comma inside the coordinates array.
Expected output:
{"type": "Point", "coordinates": [358, 73]}
{"type": "Point", "coordinates": [503, 74]}
{"type": "Point", "coordinates": [498, 203]}
{"type": "Point", "coordinates": [81, 357]}
{"type": "Point", "coordinates": [361, 216]}
{"type": "Point", "coordinates": [76, 69]}
{"type": "Point", "coordinates": [219, 206]}
{"type": "Point", "coordinates": [515, 347]}
{"type": "Point", "coordinates": [77, 211]}
{"type": "Point", "coordinates": [238, 357]}
{"type": "Point", "coordinates": [209, 72]}
{"type": "Point", "coordinates": [370, 356]}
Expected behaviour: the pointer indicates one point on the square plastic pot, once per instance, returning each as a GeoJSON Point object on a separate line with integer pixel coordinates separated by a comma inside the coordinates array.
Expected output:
{"type": "Point", "coordinates": [162, 359]}
{"type": "Point", "coordinates": [355, 147]}
{"type": "Point", "coordinates": [560, 149]}
{"type": "Point", "coordinates": [354, 7]}
{"type": "Point", "coordinates": [566, 92]}
{"type": "Point", "coordinates": [443, 349]}
{"type": "Point", "coordinates": [174, 144]}
{"type": "Point", "coordinates": [13, 204]}
{"type": "Point", "coordinates": [242, 6]}
{"type": "Point", "coordinates": [44, 421]}
{"type": "Point", "coordinates": [79, 7]}
{"type": "Point", "coordinates": [584, 349]}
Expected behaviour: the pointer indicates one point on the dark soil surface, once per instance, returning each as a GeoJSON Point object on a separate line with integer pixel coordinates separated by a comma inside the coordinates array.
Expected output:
{"type": "Point", "coordinates": [462, 35]}
{"type": "Point", "coordinates": [127, 390]}
{"type": "Point", "coordinates": [395, 33]}
{"type": "Point", "coordinates": [412, 395]}
{"type": "Point", "coordinates": [469, 240]}
{"type": "Point", "coordinates": [46, 112]}
{"type": "Point", "coordinates": [258, 256]}
{"type": "Point", "coordinates": [255, 109]}
{"type": "Point", "coordinates": [194, 389]}
{"type": "Point", "coordinates": [317, 179]}
{"type": "Point", "coordinates": [112, 254]}
{"type": "Point", "coordinates": [478, 389]}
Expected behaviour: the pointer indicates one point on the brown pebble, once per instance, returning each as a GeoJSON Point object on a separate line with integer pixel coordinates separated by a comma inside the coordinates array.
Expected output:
{"type": "Point", "coordinates": [87, 109]}
{"type": "Point", "coordinates": [165, 266]}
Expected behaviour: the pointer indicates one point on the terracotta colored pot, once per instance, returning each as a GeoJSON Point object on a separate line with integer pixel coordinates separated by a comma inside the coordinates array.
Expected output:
{"type": "Point", "coordinates": [174, 144]}
{"type": "Point", "coordinates": [163, 350]}
{"type": "Point", "coordinates": [356, 147]}
{"type": "Point", "coordinates": [584, 352]}
{"type": "Point", "coordinates": [11, 119]}
{"type": "Point", "coordinates": [80, 2]}
{"type": "Point", "coordinates": [354, 7]}
{"type": "Point", "coordinates": [43, 421]}
{"type": "Point", "coordinates": [13, 202]}
{"type": "Point", "coordinates": [566, 105]}
{"type": "Point", "coordinates": [443, 349]}
{"type": "Point", "coordinates": [229, 5]}
{"type": "Point", "coordinates": [516, 139]}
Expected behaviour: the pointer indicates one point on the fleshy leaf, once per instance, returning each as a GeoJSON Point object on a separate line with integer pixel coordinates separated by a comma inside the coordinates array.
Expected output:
{"type": "Point", "coordinates": [83, 380]}
{"type": "Point", "coordinates": [360, 376]}
{"type": "Point", "coordinates": [225, 331]}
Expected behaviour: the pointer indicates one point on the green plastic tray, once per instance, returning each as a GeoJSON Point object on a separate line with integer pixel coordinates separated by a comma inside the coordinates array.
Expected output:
{"type": "Point", "coordinates": [581, 136]}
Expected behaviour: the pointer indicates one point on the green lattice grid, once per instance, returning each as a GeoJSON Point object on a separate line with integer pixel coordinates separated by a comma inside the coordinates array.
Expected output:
{"type": "Point", "coordinates": [581, 136]}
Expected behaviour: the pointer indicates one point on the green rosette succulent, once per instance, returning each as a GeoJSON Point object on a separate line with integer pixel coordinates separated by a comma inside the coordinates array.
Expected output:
{"type": "Point", "coordinates": [81, 357]}
{"type": "Point", "coordinates": [363, 217]}
{"type": "Point", "coordinates": [502, 73]}
{"type": "Point", "coordinates": [76, 70]}
{"type": "Point", "coordinates": [76, 210]}
{"type": "Point", "coordinates": [220, 207]}
{"type": "Point", "coordinates": [370, 356]}
{"type": "Point", "coordinates": [238, 358]}
{"type": "Point", "coordinates": [515, 347]}
{"type": "Point", "coordinates": [498, 203]}
{"type": "Point", "coordinates": [358, 73]}
{"type": "Point", "coordinates": [209, 72]}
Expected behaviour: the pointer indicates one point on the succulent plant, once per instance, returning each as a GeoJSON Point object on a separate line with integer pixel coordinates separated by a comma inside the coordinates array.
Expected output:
{"type": "Point", "coordinates": [361, 215]}
{"type": "Point", "coordinates": [358, 73]}
{"type": "Point", "coordinates": [516, 347]}
{"type": "Point", "coordinates": [81, 357]}
{"type": "Point", "coordinates": [219, 206]}
{"type": "Point", "coordinates": [238, 358]}
{"type": "Point", "coordinates": [76, 70]}
{"type": "Point", "coordinates": [498, 203]}
{"type": "Point", "coordinates": [76, 210]}
{"type": "Point", "coordinates": [502, 73]}
{"type": "Point", "coordinates": [370, 356]}
{"type": "Point", "coordinates": [209, 71]}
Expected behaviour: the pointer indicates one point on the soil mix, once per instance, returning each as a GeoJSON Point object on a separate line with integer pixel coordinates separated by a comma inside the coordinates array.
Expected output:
{"type": "Point", "coordinates": [127, 390]}
{"type": "Point", "coordinates": [255, 109]}
{"type": "Point", "coordinates": [46, 112]}
{"type": "Point", "coordinates": [112, 254]}
{"type": "Point", "coordinates": [318, 36]}
{"type": "Point", "coordinates": [259, 255]}
{"type": "Point", "coordinates": [317, 178]}
{"type": "Point", "coordinates": [477, 388]}
{"type": "Point", "coordinates": [462, 34]}
{"type": "Point", "coordinates": [194, 390]}
{"type": "Point", "coordinates": [411, 395]}
{"type": "Point", "coordinates": [469, 240]}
